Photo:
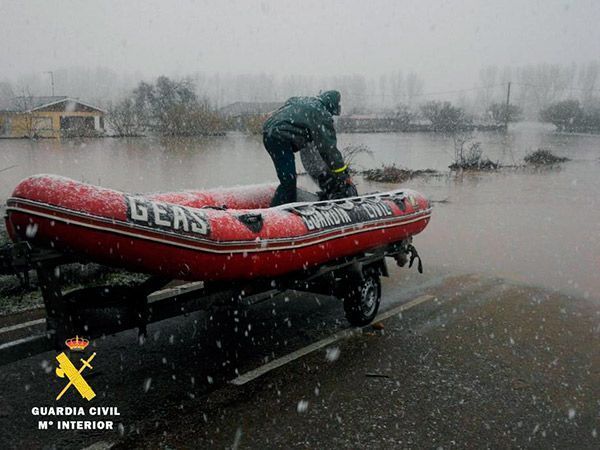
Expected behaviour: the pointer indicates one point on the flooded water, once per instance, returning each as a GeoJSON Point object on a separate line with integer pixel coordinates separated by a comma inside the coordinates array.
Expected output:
{"type": "Point", "coordinates": [537, 226]}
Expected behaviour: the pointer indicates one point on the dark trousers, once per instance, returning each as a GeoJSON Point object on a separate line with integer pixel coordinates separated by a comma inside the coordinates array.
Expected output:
{"type": "Point", "coordinates": [282, 154]}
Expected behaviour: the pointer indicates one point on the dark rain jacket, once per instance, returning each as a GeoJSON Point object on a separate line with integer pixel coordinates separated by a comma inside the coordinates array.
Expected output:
{"type": "Point", "coordinates": [302, 120]}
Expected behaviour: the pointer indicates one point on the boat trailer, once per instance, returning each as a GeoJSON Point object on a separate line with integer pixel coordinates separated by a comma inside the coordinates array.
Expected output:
{"type": "Point", "coordinates": [98, 311]}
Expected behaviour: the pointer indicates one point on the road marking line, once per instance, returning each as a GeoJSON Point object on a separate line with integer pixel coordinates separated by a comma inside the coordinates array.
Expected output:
{"type": "Point", "coordinates": [403, 307]}
{"type": "Point", "coordinates": [100, 445]}
{"type": "Point", "coordinates": [344, 334]}
{"type": "Point", "coordinates": [176, 290]}
{"type": "Point", "coordinates": [260, 371]}
{"type": "Point", "coordinates": [22, 325]}
{"type": "Point", "coordinates": [158, 295]}
{"type": "Point", "coordinates": [24, 340]}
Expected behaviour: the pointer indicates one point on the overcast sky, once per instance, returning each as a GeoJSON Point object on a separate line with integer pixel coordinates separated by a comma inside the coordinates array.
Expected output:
{"type": "Point", "coordinates": [444, 41]}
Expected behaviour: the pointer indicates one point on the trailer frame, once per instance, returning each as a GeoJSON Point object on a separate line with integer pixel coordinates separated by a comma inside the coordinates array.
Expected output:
{"type": "Point", "coordinates": [98, 311]}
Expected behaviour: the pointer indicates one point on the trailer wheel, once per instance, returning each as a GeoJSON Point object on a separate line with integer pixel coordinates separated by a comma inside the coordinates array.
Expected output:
{"type": "Point", "coordinates": [362, 298]}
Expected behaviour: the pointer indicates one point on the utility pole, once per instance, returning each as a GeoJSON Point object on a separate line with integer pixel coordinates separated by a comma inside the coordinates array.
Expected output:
{"type": "Point", "coordinates": [507, 107]}
{"type": "Point", "coordinates": [51, 80]}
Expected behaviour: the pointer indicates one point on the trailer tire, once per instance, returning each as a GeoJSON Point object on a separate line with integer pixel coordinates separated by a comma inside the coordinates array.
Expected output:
{"type": "Point", "coordinates": [362, 299]}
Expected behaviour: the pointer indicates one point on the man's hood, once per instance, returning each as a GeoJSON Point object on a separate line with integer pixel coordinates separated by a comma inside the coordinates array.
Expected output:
{"type": "Point", "coordinates": [331, 100]}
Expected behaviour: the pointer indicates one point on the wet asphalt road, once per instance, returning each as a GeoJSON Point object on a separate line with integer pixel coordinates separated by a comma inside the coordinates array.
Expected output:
{"type": "Point", "coordinates": [485, 364]}
{"type": "Point", "coordinates": [181, 360]}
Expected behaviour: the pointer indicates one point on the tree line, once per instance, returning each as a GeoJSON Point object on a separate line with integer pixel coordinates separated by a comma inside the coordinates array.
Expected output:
{"type": "Point", "coordinates": [572, 116]}
{"type": "Point", "coordinates": [172, 107]}
{"type": "Point", "coordinates": [536, 86]}
{"type": "Point", "coordinates": [167, 107]}
{"type": "Point", "coordinates": [190, 105]}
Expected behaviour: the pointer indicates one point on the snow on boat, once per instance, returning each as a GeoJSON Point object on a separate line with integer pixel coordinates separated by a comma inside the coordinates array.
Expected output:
{"type": "Point", "coordinates": [224, 234]}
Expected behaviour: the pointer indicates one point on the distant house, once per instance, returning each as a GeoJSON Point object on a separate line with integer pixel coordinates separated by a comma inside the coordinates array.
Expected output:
{"type": "Point", "coordinates": [373, 123]}
{"type": "Point", "coordinates": [49, 117]}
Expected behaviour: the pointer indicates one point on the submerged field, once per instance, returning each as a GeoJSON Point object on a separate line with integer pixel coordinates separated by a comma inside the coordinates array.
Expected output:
{"type": "Point", "coordinates": [536, 225]}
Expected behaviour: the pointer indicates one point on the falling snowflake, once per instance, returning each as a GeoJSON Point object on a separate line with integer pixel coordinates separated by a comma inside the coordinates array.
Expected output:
{"type": "Point", "coordinates": [31, 230]}
{"type": "Point", "coordinates": [302, 406]}
{"type": "Point", "coordinates": [45, 364]}
{"type": "Point", "coordinates": [332, 354]}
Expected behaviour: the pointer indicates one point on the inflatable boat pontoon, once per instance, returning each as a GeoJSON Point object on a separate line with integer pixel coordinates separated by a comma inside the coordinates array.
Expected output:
{"type": "Point", "coordinates": [225, 234]}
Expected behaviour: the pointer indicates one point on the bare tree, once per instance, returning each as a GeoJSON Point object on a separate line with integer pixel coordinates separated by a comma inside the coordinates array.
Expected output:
{"type": "Point", "coordinates": [122, 118]}
{"type": "Point", "coordinates": [414, 88]}
{"type": "Point", "coordinates": [487, 80]}
{"type": "Point", "coordinates": [6, 90]}
{"type": "Point", "coordinates": [588, 79]}
{"type": "Point", "coordinates": [444, 116]}
{"type": "Point", "coordinates": [26, 125]}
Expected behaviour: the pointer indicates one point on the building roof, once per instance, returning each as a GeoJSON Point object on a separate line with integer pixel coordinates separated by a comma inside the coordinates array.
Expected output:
{"type": "Point", "coordinates": [31, 103]}
{"type": "Point", "coordinates": [249, 108]}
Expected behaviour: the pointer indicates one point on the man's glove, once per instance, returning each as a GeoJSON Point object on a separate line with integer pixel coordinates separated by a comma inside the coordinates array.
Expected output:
{"type": "Point", "coordinates": [337, 185]}
{"type": "Point", "coordinates": [344, 187]}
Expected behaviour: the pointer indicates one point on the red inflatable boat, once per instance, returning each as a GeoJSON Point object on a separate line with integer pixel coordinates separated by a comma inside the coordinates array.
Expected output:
{"type": "Point", "coordinates": [225, 234]}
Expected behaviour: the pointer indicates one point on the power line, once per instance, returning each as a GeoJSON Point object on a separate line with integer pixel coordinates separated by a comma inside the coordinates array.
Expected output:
{"type": "Point", "coordinates": [427, 94]}
{"type": "Point", "coordinates": [564, 89]}
{"type": "Point", "coordinates": [459, 91]}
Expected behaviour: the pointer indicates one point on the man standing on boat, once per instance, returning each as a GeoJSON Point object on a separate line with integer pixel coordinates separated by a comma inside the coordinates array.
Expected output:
{"type": "Point", "coordinates": [299, 122]}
